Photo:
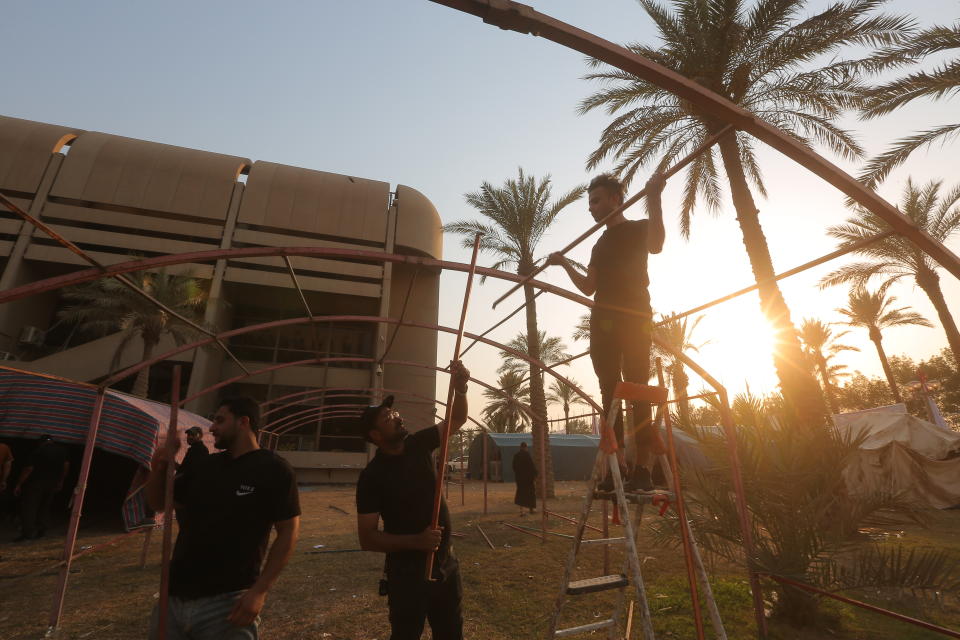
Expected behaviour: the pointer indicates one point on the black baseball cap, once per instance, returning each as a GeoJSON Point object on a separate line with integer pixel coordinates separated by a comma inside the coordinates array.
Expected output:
{"type": "Point", "coordinates": [368, 419]}
{"type": "Point", "coordinates": [194, 431]}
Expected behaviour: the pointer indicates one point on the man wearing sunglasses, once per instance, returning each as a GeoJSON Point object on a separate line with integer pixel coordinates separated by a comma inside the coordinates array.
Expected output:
{"type": "Point", "coordinates": [398, 486]}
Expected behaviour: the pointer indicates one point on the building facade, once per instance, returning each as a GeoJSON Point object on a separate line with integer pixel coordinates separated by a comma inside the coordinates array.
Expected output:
{"type": "Point", "coordinates": [119, 198]}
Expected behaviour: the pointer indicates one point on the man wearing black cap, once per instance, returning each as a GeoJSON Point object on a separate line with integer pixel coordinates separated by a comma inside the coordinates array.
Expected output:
{"type": "Point", "coordinates": [196, 452]}
{"type": "Point", "coordinates": [398, 485]}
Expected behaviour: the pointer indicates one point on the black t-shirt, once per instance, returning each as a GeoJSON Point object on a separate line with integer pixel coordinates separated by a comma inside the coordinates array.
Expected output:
{"type": "Point", "coordinates": [47, 462]}
{"type": "Point", "coordinates": [619, 260]}
{"type": "Point", "coordinates": [226, 510]}
{"type": "Point", "coordinates": [401, 488]}
{"type": "Point", "coordinates": [195, 454]}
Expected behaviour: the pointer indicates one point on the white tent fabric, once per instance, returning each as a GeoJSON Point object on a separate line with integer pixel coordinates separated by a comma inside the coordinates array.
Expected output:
{"type": "Point", "coordinates": [902, 454]}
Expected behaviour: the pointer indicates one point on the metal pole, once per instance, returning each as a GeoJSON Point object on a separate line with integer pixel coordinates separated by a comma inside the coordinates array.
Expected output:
{"type": "Point", "coordinates": [543, 484]}
{"type": "Point", "coordinates": [485, 465]}
{"type": "Point", "coordinates": [79, 491]}
{"type": "Point", "coordinates": [167, 547]}
{"type": "Point", "coordinates": [445, 436]}
{"type": "Point", "coordinates": [681, 512]}
{"type": "Point", "coordinates": [463, 495]}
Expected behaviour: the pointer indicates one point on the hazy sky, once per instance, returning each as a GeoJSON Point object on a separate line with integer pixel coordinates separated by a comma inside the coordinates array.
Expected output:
{"type": "Point", "coordinates": [410, 92]}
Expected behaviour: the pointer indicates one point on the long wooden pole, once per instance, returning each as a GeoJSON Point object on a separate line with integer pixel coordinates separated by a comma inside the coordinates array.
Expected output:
{"type": "Point", "coordinates": [166, 549]}
{"type": "Point", "coordinates": [79, 491]}
{"type": "Point", "coordinates": [445, 436]}
{"type": "Point", "coordinates": [690, 157]}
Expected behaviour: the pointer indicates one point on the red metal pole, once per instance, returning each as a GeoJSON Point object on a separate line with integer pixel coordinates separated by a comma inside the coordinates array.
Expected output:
{"type": "Point", "coordinates": [681, 514]}
{"type": "Point", "coordinates": [167, 548]}
{"type": "Point", "coordinates": [79, 491]}
{"type": "Point", "coordinates": [485, 464]}
{"type": "Point", "coordinates": [869, 607]}
{"type": "Point", "coordinates": [543, 484]}
{"type": "Point", "coordinates": [572, 520]}
{"type": "Point", "coordinates": [463, 494]}
{"type": "Point", "coordinates": [445, 436]}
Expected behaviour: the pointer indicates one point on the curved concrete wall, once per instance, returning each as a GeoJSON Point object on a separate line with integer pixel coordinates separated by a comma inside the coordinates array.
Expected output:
{"type": "Point", "coordinates": [419, 227]}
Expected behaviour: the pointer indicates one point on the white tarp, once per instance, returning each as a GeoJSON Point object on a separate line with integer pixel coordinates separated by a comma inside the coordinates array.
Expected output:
{"type": "Point", "coordinates": [881, 428]}
{"type": "Point", "coordinates": [904, 455]}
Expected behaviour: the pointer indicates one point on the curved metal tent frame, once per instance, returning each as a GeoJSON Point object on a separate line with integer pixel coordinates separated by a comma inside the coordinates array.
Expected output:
{"type": "Point", "coordinates": [521, 18]}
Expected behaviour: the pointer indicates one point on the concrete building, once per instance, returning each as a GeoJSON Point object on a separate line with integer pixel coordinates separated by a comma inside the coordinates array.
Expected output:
{"type": "Point", "coordinates": [118, 197]}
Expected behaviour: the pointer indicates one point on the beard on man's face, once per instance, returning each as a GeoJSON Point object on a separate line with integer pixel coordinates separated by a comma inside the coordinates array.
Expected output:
{"type": "Point", "coordinates": [399, 431]}
{"type": "Point", "coordinates": [223, 441]}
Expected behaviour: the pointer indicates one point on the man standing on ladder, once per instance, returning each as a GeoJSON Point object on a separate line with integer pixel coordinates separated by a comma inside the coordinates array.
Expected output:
{"type": "Point", "coordinates": [620, 340]}
{"type": "Point", "coordinates": [398, 485]}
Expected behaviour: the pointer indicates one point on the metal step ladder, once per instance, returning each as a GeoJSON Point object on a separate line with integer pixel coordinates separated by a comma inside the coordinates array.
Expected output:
{"type": "Point", "coordinates": [631, 570]}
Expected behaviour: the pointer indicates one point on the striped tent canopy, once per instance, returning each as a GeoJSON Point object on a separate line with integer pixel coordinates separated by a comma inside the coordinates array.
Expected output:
{"type": "Point", "coordinates": [33, 404]}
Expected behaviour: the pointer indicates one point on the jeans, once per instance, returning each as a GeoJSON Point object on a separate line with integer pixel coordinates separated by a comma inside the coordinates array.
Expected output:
{"type": "Point", "coordinates": [620, 342]}
{"type": "Point", "coordinates": [202, 619]}
{"type": "Point", "coordinates": [414, 601]}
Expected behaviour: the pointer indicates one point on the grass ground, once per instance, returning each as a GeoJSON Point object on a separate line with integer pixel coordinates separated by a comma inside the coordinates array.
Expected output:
{"type": "Point", "coordinates": [509, 591]}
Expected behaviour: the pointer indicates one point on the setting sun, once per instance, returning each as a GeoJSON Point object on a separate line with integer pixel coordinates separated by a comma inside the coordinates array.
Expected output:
{"type": "Point", "coordinates": [740, 348]}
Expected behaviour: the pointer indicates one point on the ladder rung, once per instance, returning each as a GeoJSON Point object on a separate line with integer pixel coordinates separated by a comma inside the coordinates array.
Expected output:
{"type": "Point", "coordinates": [602, 541]}
{"type": "Point", "coordinates": [584, 628]}
{"type": "Point", "coordinates": [593, 585]}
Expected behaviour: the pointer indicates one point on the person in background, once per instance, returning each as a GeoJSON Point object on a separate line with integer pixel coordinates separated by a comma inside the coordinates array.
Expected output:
{"type": "Point", "coordinates": [40, 480]}
{"type": "Point", "coordinates": [525, 475]}
{"type": "Point", "coordinates": [196, 451]}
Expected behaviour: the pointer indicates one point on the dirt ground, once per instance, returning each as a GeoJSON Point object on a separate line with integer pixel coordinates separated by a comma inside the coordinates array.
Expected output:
{"type": "Point", "coordinates": [329, 589]}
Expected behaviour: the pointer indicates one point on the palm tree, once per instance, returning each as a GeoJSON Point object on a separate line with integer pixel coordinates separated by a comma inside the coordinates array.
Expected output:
{"type": "Point", "coordinates": [760, 58]}
{"type": "Point", "coordinates": [820, 343]}
{"type": "Point", "coordinates": [106, 306]}
{"type": "Point", "coordinates": [551, 350]}
{"type": "Point", "coordinates": [517, 216]}
{"type": "Point", "coordinates": [504, 410]}
{"type": "Point", "coordinates": [564, 395]}
{"type": "Point", "coordinates": [582, 330]}
{"type": "Point", "coordinates": [895, 257]}
{"type": "Point", "coordinates": [872, 312]}
{"type": "Point", "coordinates": [938, 83]}
{"type": "Point", "coordinates": [677, 333]}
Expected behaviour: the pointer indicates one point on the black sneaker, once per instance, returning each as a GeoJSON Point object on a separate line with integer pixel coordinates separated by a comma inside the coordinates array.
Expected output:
{"type": "Point", "coordinates": [639, 481]}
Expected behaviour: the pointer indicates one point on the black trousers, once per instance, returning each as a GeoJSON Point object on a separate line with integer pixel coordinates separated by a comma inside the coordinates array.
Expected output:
{"type": "Point", "coordinates": [620, 350]}
{"type": "Point", "coordinates": [414, 601]}
{"type": "Point", "coordinates": [35, 501]}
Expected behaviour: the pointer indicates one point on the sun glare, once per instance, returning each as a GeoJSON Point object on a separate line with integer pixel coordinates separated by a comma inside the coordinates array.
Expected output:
{"type": "Point", "coordinates": [740, 352]}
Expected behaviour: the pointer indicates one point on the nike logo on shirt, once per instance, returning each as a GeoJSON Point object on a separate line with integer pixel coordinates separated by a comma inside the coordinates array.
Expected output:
{"type": "Point", "coordinates": [245, 490]}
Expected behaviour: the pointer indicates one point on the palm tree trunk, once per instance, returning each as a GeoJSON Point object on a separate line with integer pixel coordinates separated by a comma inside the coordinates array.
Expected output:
{"type": "Point", "coordinates": [800, 389]}
{"type": "Point", "coordinates": [538, 401]}
{"type": "Point", "coordinates": [141, 385]}
{"type": "Point", "coordinates": [876, 338]}
{"type": "Point", "coordinates": [827, 389]}
{"type": "Point", "coordinates": [680, 383]}
{"type": "Point", "coordinates": [566, 418]}
{"type": "Point", "coordinates": [930, 283]}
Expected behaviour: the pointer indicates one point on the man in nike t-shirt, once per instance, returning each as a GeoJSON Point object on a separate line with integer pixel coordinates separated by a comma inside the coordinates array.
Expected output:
{"type": "Point", "coordinates": [226, 506]}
